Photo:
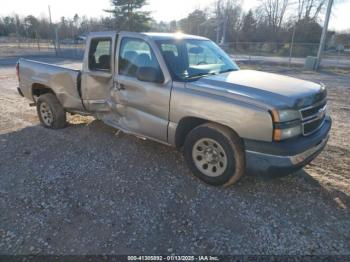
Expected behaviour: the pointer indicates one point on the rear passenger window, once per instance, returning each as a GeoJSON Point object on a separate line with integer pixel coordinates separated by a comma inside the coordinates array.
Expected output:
{"type": "Point", "coordinates": [100, 54]}
{"type": "Point", "coordinates": [135, 53]}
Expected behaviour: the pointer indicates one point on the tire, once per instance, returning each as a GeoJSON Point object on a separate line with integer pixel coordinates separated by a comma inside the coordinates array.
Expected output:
{"type": "Point", "coordinates": [215, 154]}
{"type": "Point", "coordinates": [51, 112]}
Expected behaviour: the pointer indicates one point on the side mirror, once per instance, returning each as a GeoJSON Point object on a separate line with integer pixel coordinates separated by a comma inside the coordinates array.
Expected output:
{"type": "Point", "coordinates": [150, 74]}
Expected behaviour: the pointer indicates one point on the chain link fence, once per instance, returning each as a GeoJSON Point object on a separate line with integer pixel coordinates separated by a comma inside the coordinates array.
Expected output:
{"type": "Point", "coordinates": [287, 53]}
{"type": "Point", "coordinates": [281, 53]}
{"type": "Point", "coordinates": [10, 47]}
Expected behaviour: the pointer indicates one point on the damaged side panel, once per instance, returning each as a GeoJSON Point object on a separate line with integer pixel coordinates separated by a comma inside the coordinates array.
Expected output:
{"type": "Point", "coordinates": [64, 82]}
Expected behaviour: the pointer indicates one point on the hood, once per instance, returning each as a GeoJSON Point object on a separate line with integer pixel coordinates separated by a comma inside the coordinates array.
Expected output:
{"type": "Point", "coordinates": [259, 87]}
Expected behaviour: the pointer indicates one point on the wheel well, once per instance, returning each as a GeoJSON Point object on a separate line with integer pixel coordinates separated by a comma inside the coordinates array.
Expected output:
{"type": "Point", "coordinates": [40, 89]}
{"type": "Point", "coordinates": [187, 124]}
{"type": "Point", "coordinates": [184, 127]}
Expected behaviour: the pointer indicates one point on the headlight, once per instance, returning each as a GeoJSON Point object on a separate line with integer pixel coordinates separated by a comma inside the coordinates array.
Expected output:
{"type": "Point", "coordinates": [285, 115]}
{"type": "Point", "coordinates": [285, 133]}
{"type": "Point", "coordinates": [287, 124]}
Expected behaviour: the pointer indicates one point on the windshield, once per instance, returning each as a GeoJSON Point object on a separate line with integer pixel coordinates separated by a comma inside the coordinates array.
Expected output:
{"type": "Point", "coordinates": [190, 59]}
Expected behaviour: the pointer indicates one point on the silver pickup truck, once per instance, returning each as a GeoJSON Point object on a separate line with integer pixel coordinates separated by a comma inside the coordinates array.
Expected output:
{"type": "Point", "coordinates": [184, 91]}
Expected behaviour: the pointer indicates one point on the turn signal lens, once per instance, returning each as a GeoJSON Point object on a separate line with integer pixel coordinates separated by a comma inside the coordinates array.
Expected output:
{"type": "Point", "coordinates": [275, 119]}
{"type": "Point", "coordinates": [277, 133]}
{"type": "Point", "coordinates": [275, 116]}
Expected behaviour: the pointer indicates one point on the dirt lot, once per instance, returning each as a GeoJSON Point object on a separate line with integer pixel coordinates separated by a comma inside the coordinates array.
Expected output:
{"type": "Point", "coordinates": [86, 190]}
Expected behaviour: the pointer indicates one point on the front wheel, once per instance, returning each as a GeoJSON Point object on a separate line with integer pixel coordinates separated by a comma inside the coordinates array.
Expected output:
{"type": "Point", "coordinates": [51, 112]}
{"type": "Point", "coordinates": [215, 154]}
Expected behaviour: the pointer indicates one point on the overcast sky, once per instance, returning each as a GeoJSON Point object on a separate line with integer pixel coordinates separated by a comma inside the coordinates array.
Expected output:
{"type": "Point", "coordinates": [165, 10]}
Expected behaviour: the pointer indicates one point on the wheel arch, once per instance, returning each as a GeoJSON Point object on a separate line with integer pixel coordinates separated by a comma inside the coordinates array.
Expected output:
{"type": "Point", "coordinates": [39, 89]}
{"type": "Point", "coordinates": [187, 124]}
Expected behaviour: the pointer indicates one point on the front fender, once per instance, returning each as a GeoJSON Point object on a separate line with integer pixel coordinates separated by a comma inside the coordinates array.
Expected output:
{"type": "Point", "coordinates": [247, 120]}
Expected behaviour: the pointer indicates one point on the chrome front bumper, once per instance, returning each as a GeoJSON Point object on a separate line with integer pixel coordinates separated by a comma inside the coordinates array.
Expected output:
{"type": "Point", "coordinates": [312, 152]}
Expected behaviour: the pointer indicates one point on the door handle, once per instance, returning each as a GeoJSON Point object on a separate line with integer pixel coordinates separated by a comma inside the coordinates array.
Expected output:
{"type": "Point", "coordinates": [119, 86]}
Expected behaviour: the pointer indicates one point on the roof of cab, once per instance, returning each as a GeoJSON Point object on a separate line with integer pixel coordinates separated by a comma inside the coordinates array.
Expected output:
{"type": "Point", "coordinates": [165, 36]}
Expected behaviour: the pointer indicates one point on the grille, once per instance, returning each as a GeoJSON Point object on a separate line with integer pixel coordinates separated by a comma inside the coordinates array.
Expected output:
{"type": "Point", "coordinates": [311, 111]}
{"type": "Point", "coordinates": [309, 128]}
{"type": "Point", "coordinates": [313, 117]}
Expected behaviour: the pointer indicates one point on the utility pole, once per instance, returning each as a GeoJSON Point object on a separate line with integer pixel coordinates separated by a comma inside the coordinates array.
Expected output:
{"type": "Point", "coordinates": [218, 32]}
{"type": "Point", "coordinates": [53, 33]}
{"type": "Point", "coordinates": [291, 45]}
{"type": "Point", "coordinates": [17, 33]}
{"type": "Point", "coordinates": [224, 28]}
{"type": "Point", "coordinates": [324, 35]}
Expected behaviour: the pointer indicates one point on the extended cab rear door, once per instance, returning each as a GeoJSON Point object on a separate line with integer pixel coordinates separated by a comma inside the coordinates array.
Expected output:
{"type": "Point", "coordinates": [97, 74]}
{"type": "Point", "coordinates": [142, 104]}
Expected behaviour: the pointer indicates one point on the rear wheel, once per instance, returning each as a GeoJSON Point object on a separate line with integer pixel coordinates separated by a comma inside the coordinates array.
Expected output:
{"type": "Point", "coordinates": [51, 112]}
{"type": "Point", "coordinates": [215, 154]}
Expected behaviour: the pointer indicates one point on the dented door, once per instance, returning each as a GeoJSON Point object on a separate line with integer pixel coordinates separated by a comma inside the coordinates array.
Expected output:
{"type": "Point", "coordinates": [143, 106]}
{"type": "Point", "coordinates": [97, 73]}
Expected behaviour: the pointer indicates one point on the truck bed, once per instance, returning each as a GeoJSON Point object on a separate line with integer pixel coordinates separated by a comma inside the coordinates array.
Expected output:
{"type": "Point", "coordinates": [63, 80]}
{"type": "Point", "coordinates": [76, 66]}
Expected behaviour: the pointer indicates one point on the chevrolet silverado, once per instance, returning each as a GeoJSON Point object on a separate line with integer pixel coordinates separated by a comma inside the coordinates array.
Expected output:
{"type": "Point", "coordinates": [185, 91]}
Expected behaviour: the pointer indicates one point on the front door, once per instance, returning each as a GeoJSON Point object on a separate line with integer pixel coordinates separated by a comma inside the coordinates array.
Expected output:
{"type": "Point", "coordinates": [143, 105]}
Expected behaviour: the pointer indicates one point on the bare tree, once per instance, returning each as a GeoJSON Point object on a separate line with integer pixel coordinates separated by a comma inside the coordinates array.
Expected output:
{"type": "Point", "coordinates": [309, 9]}
{"type": "Point", "coordinates": [228, 17]}
{"type": "Point", "coordinates": [274, 12]}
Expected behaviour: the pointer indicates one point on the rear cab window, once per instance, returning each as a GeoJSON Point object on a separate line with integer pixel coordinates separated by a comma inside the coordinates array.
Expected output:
{"type": "Point", "coordinates": [100, 54]}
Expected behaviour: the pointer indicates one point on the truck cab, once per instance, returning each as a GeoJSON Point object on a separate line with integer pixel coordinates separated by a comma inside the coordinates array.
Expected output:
{"type": "Point", "coordinates": [126, 83]}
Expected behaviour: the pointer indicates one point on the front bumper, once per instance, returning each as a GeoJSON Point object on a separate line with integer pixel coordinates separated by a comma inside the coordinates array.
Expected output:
{"type": "Point", "coordinates": [278, 158]}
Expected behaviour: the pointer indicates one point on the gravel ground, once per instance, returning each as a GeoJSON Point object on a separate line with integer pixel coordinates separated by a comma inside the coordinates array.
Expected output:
{"type": "Point", "coordinates": [88, 190]}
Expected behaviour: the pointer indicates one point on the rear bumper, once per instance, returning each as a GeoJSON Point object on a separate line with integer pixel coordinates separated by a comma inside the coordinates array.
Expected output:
{"type": "Point", "coordinates": [288, 156]}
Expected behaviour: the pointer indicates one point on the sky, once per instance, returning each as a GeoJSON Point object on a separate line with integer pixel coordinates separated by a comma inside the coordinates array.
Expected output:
{"type": "Point", "coordinates": [162, 10]}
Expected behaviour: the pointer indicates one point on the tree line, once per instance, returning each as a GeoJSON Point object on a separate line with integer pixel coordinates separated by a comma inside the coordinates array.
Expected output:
{"type": "Point", "coordinates": [41, 28]}
{"type": "Point", "coordinates": [271, 21]}
{"type": "Point", "coordinates": [223, 21]}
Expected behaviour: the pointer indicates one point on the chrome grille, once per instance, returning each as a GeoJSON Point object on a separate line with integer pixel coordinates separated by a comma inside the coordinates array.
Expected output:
{"type": "Point", "coordinates": [313, 117]}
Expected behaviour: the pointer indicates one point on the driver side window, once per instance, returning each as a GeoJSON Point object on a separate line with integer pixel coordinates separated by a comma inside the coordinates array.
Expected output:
{"type": "Point", "coordinates": [135, 53]}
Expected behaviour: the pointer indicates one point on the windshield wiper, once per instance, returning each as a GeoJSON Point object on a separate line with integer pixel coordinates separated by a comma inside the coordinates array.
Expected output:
{"type": "Point", "coordinates": [211, 73]}
{"type": "Point", "coordinates": [200, 75]}
{"type": "Point", "coordinates": [227, 70]}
